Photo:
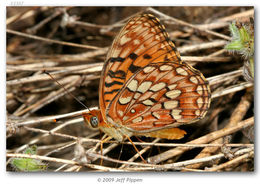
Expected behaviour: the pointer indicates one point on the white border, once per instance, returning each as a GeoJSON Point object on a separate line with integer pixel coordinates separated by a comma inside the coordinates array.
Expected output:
{"type": "Point", "coordinates": [134, 3]}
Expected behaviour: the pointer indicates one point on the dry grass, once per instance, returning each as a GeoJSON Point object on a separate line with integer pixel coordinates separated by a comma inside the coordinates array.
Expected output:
{"type": "Point", "coordinates": [73, 49]}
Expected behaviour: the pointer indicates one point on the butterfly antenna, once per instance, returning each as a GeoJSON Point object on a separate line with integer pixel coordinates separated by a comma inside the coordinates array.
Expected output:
{"type": "Point", "coordinates": [66, 89]}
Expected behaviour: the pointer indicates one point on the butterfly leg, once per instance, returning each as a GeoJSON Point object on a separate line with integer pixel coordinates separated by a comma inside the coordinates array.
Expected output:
{"type": "Point", "coordinates": [136, 149]}
{"type": "Point", "coordinates": [101, 147]}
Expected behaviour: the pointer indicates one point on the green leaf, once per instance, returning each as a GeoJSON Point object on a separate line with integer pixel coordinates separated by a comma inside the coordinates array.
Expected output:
{"type": "Point", "coordinates": [28, 164]}
{"type": "Point", "coordinates": [244, 36]}
{"type": "Point", "coordinates": [234, 45]}
{"type": "Point", "coordinates": [242, 40]}
{"type": "Point", "coordinates": [234, 31]}
{"type": "Point", "coordinates": [31, 150]}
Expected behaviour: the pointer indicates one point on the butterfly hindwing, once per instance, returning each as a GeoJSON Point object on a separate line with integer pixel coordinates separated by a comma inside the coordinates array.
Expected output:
{"type": "Point", "coordinates": [159, 95]}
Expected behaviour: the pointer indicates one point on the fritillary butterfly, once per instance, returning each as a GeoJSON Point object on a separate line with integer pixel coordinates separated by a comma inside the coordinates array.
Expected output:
{"type": "Point", "coordinates": [145, 87]}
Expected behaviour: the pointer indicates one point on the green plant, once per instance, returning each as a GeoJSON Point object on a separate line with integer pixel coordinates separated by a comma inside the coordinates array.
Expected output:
{"type": "Point", "coordinates": [28, 164]}
{"type": "Point", "coordinates": [243, 43]}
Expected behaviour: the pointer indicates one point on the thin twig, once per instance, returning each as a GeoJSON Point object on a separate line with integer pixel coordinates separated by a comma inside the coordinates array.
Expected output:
{"type": "Point", "coordinates": [192, 145]}
{"type": "Point", "coordinates": [231, 89]}
{"type": "Point", "coordinates": [24, 15]}
{"type": "Point", "coordinates": [204, 139]}
{"type": "Point", "coordinates": [188, 24]}
{"type": "Point", "coordinates": [200, 46]}
{"type": "Point", "coordinates": [205, 59]}
{"type": "Point", "coordinates": [206, 159]}
{"type": "Point", "coordinates": [57, 12]}
{"type": "Point", "coordinates": [236, 117]}
{"type": "Point", "coordinates": [236, 160]}
{"type": "Point", "coordinates": [238, 16]}
{"type": "Point", "coordinates": [223, 22]}
{"type": "Point", "coordinates": [58, 160]}
{"type": "Point", "coordinates": [50, 40]}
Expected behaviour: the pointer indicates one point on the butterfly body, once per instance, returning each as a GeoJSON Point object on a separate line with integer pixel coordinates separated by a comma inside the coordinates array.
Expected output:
{"type": "Point", "coordinates": [114, 130]}
{"type": "Point", "coordinates": [145, 88]}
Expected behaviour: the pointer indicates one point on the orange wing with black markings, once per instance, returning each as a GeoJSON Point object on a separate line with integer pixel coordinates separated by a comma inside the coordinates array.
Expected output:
{"type": "Point", "coordinates": [161, 94]}
{"type": "Point", "coordinates": [145, 88]}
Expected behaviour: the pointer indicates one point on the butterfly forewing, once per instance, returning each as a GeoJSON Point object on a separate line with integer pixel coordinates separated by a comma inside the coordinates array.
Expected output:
{"type": "Point", "coordinates": [159, 95]}
{"type": "Point", "coordinates": [142, 41]}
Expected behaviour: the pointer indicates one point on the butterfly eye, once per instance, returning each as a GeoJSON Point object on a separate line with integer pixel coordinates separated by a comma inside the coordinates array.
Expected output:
{"type": "Point", "coordinates": [94, 121]}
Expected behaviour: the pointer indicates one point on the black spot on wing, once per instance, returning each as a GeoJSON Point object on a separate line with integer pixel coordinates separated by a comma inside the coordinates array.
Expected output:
{"type": "Point", "coordinates": [133, 68]}
{"type": "Point", "coordinates": [147, 56]}
{"type": "Point", "coordinates": [116, 59]}
{"type": "Point", "coordinates": [173, 48]}
{"type": "Point", "coordinates": [133, 56]}
{"type": "Point", "coordinates": [166, 37]}
{"type": "Point", "coordinates": [166, 58]}
{"type": "Point", "coordinates": [153, 100]}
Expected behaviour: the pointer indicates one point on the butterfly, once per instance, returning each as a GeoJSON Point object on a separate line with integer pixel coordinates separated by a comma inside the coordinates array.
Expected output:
{"type": "Point", "coordinates": [145, 88]}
